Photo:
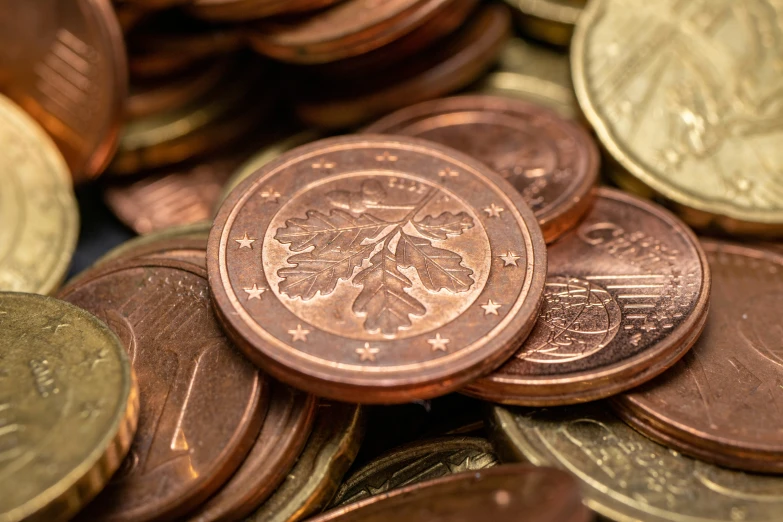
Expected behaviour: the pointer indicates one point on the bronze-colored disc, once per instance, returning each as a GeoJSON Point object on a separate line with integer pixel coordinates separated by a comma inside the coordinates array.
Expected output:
{"type": "Point", "coordinates": [186, 243]}
{"type": "Point", "coordinates": [453, 63]}
{"type": "Point", "coordinates": [64, 62]}
{"type": "Point", "coordinates": [415, 463]}
{"type": "Point", "coordinates": [350, 28]}
{"type": "Point", "coordinates": [626, 296]}
{"type": "Point", "coordinates": [720, 402]}
{"type": "Point", "coordinates": [328, 454]}
{"type": "Point", "coordinates": [507, 493]}
{"type": "Point", "coordinates": [551, 161]}
{"type": "Point", "coordinates": [251, 9]}
{"type": "Point", "coordinates": [379, 281]}
{"type": "Point", "coordinates": [286, 428]}
{"type": "Point", "coordinates": [196, 425]}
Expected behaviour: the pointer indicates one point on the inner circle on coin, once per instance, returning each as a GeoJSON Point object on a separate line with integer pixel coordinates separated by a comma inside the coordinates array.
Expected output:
{"type": "Point", "coordinates": [356, 257]}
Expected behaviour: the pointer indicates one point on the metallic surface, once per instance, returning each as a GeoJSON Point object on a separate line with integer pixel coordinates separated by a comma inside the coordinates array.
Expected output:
{"type": "Point", "coordinates": [250, 9]}
{"type": "Point", "coordinates": [64, 62]}
{"type": "Point", "coordinates": [61, 372]}
{"type": "Point", "coordinates": [720, 403]}
{"type": "Point", "coordinates": [551, 21]}
{"type": "Point", "coordinates": [502, 494]}
{"type": "Point", "coordinates": [354, 301]}
{"type": "Point", "coordinates": [39, 220]}
{"type": "Point", "coordinates": [329, 452]}
{"type": "Point", "coordinates": [690, 113]}
{"type": "Point", "coordinates": [285, 431]}
{"type": "Point", "coordinates": [161, 311]}
{"type": "Point", "coordinates": [626, 296]}
{"type": "Point", "coordinates": [451, 64]}
{"type": "Point", "coordinates": [186, 243]}
{"type": "Point", "coordinates": [415, 463]}
{"type": "Point", "coordinates": [552, 162]}
{"type": "Point", "coordinates": [627, 477]}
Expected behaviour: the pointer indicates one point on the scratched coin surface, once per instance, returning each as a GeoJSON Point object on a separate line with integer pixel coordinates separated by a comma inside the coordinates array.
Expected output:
{"type": "Point", "coordinates": [690, 113]}
{"type": "Point", "coordinates": [64, 62]}
{"type": "Point", "coordinates": [720, 403]}
{"type": "Point", "coordinates": [626, 476]}
{"type": "Point", "coordinates": [380, 279]}
{"type": "Point", "coordinates": [415, 463]}
{"type": "Point", "coordinates": [62, 372]}
{"type": "Point", "coordinates": [329, 452]}
{"type": "Point", "coordinates": [502, 494]}
{"type": "Point", "coordinates": [551, 161]}
{"type": "Point", "coordinates": [285, 431]}
{"type": "Point", "coordinates": [626, 296]}
{"type": "Point", "coordinates": [40, 220]}
{"type": "Point", "coordinates": [161, 311]}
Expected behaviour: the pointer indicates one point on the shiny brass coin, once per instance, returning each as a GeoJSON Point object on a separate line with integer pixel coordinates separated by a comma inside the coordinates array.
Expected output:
{"type": "Point", "coordinates": [628, 478]}
{"type": "Point", "coordinates": [551, 21]}
{"type": "Point", "coordinates": [415, 463]}
{"type": "Point", "coordinates": [326, 457]}
{"type": "Point", "coordinates": [68, 407]}
{"type": "Point", "coordinates": [38, 214]}
{"type": "Point", "coordinates": [690, 113]}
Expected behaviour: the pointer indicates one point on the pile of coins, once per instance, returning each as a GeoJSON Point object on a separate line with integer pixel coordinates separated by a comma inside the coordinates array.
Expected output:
{"type": "Point", "coordinates": [356, 297]}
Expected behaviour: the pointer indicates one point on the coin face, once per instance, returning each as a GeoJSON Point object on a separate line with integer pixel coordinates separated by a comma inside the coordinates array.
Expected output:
{"type": "Point", "coordinates": [499, 494]}
{"type": "Point", "coordinates": [626, 476]}
{"type": "Point", "coordinates": [687, 111]}
{"type": "Point", "coordinates": [551, 161]}
{"type": "Point", "coordinates": [64, 62]}
{"type": "Point", "coordinates": [626, 296]}
{"type": "Point", "coordinates": [161, 311]}
{"type": "Point", "coordinates": [415, 463]}
{"type": "Point", "coordinates": [62, 372]}
{"type": "Point", "coordinates": [37, 206]}
{"type": "Point", "coordinates": [719, 402]}
{"type": "Point", "coordinates": [365, 268]}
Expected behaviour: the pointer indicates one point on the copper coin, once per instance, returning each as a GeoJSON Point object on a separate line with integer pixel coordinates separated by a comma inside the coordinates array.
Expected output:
{"type": "Point", "coordinates": [249, 9]}
{"type": "Point", "coordinates": [195, 425]}
{"type": "Point", "coordinates": [286, 429]}
{"type": "Point", "coordinates": [64, 62]}
{"type": "Point", "coordinates": [452, 64]}
{"type": "Point", "coordinates": [503, 494]}
{"type": "Point", "coordinates": [720, 403]}
{"type": "Point", "coordinates": [551, 161]}
{"type": "Point", "coordinates": [626, 296]}
{"type": "Point", "coordinates": [379, 281]}
{"type": "Point", "coordinates": [350, 28]}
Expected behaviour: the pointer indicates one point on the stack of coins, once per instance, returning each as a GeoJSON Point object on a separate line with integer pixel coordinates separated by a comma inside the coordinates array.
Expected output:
{"type": "Point", "coordinates": [355, 296]}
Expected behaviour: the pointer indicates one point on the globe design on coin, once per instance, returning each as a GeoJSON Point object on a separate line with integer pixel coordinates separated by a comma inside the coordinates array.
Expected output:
{"type": "Point", "coordinates": [578, 318]}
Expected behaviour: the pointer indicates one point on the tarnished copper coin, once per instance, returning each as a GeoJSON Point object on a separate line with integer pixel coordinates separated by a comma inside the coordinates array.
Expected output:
{"type": "Point", "coordinates": [551, 161]}
{"type": "Point", "coordinates": [201, 401]}
{"type": "Point", "coordinates": [503, 494]}
{"type": "Point", "coordinates": [721, 402]}
{"type": "Point", "coordinates": [626, 296]}
{"type": "Point", "coordinates": [64, 62]}
{"type": "Point", "coordinates": [367, 268]}
{"type": "Point", "coordinates": [250, 9]}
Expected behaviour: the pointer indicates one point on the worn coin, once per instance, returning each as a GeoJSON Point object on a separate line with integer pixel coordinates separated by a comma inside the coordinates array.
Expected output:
{"type": "Point", "coordinates": [551, 161]}
{"type": "Point", "coordinates": [690, 113]}
{"type": "Point", "coordinates": [502, 494]}
{"type": "Point", "coordinates": [720, 403]}
{"type": "Point", "coordinates": [38, 212]}
{"type": "Point", "coordinates": [64, 62]}
{"type": "Point", "coordinates": [326, 457]}
{"type": "Point", "coordinates": [551, 21]}
{"type": "Point", "coordinates": [415, 463]}
{"type": "Point", "coordinates": [629, 478]}
{"type": "Point", "coordinates": [379, 281]}
{"type": "Point", "coordinates": [626, 296]}
{"type": "Point", "coordinates": [62, 372]}
{"type": "Point", "coordinates": [286, 428]}
{"type": "Point", "coordinates": [161, 311]}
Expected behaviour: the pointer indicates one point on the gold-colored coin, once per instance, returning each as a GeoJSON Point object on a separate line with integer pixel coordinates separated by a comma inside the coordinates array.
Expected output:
{"type": "Point", "coordinates": [687, 97]}
{"type": "Point", "coordinates": [39, 221]}
{"type": "Point", "coordinates": [629, 478]}
{"type": "Point", "coordinates": [328, 454]}
{"type": "Point", "coordinates": [414, 463]}
{"type": "Point", "coordinates": [550, 21]}
{"type": "Point", "coordinates": [68, 407]}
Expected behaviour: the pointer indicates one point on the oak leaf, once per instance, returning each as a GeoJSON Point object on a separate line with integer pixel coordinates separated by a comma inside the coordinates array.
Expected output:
{"type": "Point", "coordinates": [444, 225]}
{"type": "Point", "coordinates": [319, 271]}
{"type": "Point", "coordinates": [437, 268]}
{"type": "Point", "coordinates": [338, 231]}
